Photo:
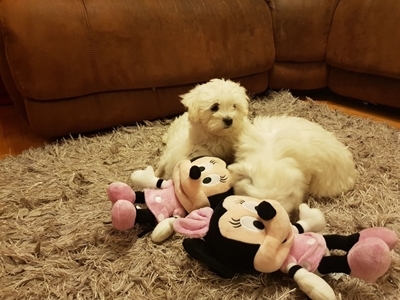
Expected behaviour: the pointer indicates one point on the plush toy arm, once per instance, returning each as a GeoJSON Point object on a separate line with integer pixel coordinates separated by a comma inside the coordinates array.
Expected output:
{"type": "Point", "coordinates": [311, 219]}
{"type": "Point", "coordinates": [146, 179]}
{"type": "Point", "coordinates": [199, 250]}
{"type": "Point", "coordinates": [196, 224]}
{"type": "Point", "coordinates": [314, 286]}
{"type": "Point", "coordinates": [163, 230]}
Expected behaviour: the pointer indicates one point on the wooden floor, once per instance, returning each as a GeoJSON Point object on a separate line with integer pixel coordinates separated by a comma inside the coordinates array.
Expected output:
{"type": "Point", "coordinates": [16, 135]}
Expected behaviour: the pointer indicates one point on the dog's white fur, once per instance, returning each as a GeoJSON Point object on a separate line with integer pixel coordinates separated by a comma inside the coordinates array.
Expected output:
{"type": "Point", "coordinates": [285, 158]}
{"type": "Point", "coordinates": [216, 115]}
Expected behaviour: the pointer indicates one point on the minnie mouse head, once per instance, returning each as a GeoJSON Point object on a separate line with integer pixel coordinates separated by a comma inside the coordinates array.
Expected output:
{"type": "Point", "coordinates": [245, 234]}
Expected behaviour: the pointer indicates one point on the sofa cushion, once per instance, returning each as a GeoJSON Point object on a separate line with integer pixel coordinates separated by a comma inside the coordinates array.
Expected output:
{"type": "Point", "coordinates": [301, 29]}
{"type": "Point", "coordinates": [298, 76]}
{"type": "Point", "coordinates": [61, 49]}
{"type": "Point", "coordinates": [365, 37]}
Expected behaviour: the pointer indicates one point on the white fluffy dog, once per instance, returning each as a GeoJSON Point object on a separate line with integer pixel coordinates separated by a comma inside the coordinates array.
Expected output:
{"type": "Point", "coordinates": [285, 158]}
{"type": "Point", "coordinates": [216, 115]}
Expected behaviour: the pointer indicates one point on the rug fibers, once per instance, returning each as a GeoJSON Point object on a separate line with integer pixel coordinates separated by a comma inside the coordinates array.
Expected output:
{"type": "Point", "coordinates": [56, 241]}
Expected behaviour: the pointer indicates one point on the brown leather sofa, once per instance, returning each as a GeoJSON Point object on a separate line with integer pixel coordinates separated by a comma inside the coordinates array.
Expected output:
{"type": "Point", "coordinates": [83, 65]}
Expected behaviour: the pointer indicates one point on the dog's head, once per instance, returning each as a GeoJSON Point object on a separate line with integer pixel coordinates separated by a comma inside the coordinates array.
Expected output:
{"type": "Point", "coordinates": [219, 106]}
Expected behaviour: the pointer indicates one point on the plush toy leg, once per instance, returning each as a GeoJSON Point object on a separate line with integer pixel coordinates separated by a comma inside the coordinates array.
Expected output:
{"type": "Point", "coordinates": [383, 233]}
{"type": "Point", "coordinates": [346, 242]}
{"type": "Point", "coordinates": [145, 216]}
{"type": "Point", "coordinates": [123, 215]}
{"type": "Point", "coordinates": [334, 264]}
{"type": "Point", "coordinates": [119, 190]}
{"type": "Point", "coordinates": [369, 259]}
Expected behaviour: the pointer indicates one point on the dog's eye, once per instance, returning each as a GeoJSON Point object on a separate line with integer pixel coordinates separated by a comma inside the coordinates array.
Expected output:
{"type": "Point", "coordinates": [215, 107]}
{"type": "Point", "coordinates": [234, 105]}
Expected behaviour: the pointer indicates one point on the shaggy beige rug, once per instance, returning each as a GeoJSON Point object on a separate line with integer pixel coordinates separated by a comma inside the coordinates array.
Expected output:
{"type": "Point", "coordinates": [56, 241]}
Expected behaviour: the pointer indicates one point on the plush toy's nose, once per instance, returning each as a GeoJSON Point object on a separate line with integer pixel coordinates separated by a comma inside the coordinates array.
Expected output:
{"type": "Point", "coordinates": [195, 172]}
{"type": "Point", "coordinates": [266, 211]}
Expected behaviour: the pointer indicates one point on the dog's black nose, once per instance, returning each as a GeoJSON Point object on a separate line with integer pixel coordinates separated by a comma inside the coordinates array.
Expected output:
{"type": "Point", "coordinates": [195, 172]}
{"type": "Point", "coordinates": [228, 121]}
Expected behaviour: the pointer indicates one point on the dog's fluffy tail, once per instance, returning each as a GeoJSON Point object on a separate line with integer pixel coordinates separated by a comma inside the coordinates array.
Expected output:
{"type": "Point", "coordinates": [284, 182]}
{"type": "Point", "coordinates": [334, 177]}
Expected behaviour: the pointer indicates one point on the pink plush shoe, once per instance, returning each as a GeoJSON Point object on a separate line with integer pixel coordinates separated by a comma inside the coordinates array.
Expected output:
{"type": "Point", "coordinates": [383, 233]}
{"type": "Point", "coordinates": [123, 215]}
{"type": "Point", "coordinates": [369, 259]}
{"type": "Point", "coordinates": [119, 190]}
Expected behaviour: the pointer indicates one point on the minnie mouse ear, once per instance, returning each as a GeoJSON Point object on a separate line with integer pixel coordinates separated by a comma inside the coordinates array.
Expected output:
{"type": "Point", "coordinates": [199, 250]}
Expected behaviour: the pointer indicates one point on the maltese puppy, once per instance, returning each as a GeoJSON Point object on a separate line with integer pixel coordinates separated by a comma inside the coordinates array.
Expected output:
{"type": "Point", "coordinates": [285, 158]}
{"type": "Point", "coordinates": [216, 115]}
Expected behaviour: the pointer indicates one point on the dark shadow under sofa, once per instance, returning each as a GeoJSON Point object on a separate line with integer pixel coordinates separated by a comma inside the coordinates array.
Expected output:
{"type": "Point", "coordinates": [84, 65]}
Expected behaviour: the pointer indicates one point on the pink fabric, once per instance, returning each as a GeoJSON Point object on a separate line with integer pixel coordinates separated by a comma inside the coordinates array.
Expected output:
{"type": "Point", "coordinates": [163, 203]}
{"type": "Point", "coordinates": [383, 233]}
{"type": "Point", "coordinates": [307, 251]}
{"type": "Point", "coordinates": [369, 259]}
{"type": "Point", "coordinates": [196, 224]}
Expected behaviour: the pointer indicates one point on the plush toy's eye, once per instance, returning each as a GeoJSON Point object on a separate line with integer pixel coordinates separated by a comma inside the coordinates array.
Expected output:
{"type": "Point", "coordinates": [205, 166]}
{"type": "Point", "coordinates": [212, 179]}
{"type": "Point", "coordinates": [252, 223]}
{"type": "Point", "coordinates": [215, 107]}
{"type": "Point", "coordinates": [251, 206]}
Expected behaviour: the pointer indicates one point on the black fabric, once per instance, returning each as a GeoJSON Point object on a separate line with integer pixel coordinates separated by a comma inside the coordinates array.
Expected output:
{"type": "Point", "coordinates": [299, 227]}
{"type": "Point", "coordinates": [334, 264]}
{"type": "Point", "coordinates": [144, 216]}
{"type": "Point", "coordinates": [139, 197]}
{"type": "Point", "coordinates": [293, 270]}
{"type": "Point", "coordinates": [196, 158]}
{"type": "Point", "coordinates": [159, 183]}
{"type": "Point", "coordinates": [195, 172]}
{"type": "Point", "coordinates": [238, 255]}
{"type": "Point", "coordinates": [341, 242]}
{"type": "Point", "coordinates": [216, 199]}
{"type": "Point", "coordinates": [266, 211]}
{"type": "Point", "coordinates": [199, 250]}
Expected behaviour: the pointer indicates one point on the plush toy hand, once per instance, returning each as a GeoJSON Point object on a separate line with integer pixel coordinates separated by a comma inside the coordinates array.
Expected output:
{"type": "Point", "coordinates": [314, 286]}
{"type": "Point", "coordinates": [311, 219]}
{"type": "Point", "coordinates": [144, 178]}
{"type": "Point", "coordinates": [163, 230]}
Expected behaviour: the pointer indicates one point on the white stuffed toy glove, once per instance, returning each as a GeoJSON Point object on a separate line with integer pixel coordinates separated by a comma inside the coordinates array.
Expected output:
{"type": "Point", "coordinates": [314, 286]}
{"type": "Point", "coordinates": [163, 230]}
{"type": "Point", "coordinates": [144, 178]}
{"type": "Point", "coordinates": [311, 219]}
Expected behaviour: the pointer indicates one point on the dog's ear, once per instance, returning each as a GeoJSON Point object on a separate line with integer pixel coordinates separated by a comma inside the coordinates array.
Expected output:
{"type": "Point", "coordinates": [191, 103]}
{"type": "Point", "coordinates": [186, 99]}
{"type": "Point", "coordinates": [242, 99]}
{"type": "Point", "coordinates": [243, 106]}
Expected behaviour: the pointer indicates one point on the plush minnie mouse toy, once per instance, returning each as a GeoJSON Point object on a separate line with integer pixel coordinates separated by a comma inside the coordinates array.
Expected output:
{"type": "Point", "coordinates": [201, 182]}
{"type": "Point", "coordinates": [265, 241]}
